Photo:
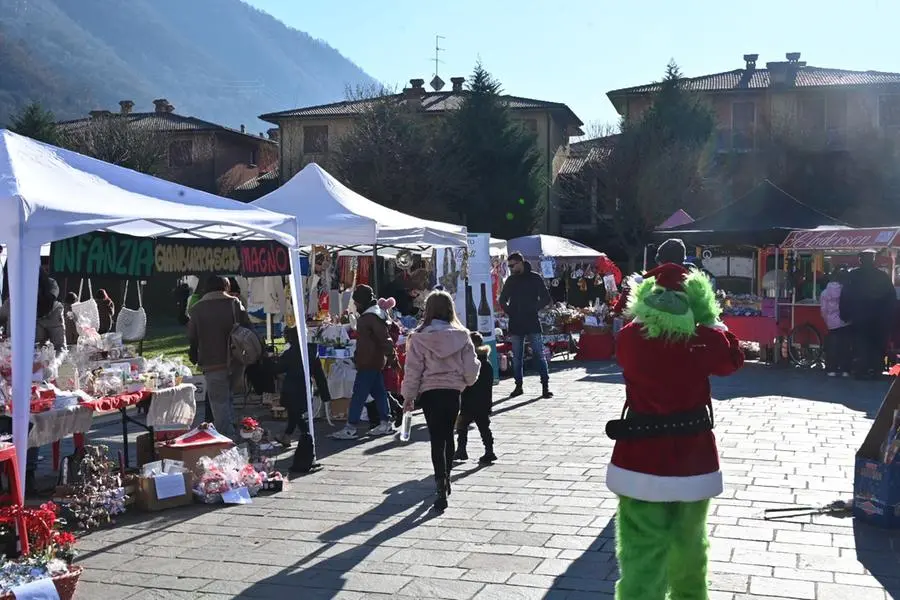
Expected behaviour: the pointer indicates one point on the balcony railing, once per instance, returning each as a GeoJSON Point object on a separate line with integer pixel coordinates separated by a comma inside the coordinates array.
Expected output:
{"type": "Point", "coordinates": [735, 140]}
{"type": "Point", "coordinates": [732, 141]}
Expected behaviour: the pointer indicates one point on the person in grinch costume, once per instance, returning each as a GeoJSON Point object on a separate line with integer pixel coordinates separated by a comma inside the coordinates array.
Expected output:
{"type": "Point", "coordinates": [665, 465]}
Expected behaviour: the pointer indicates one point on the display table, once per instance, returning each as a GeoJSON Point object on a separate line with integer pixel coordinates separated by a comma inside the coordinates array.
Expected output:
{"type": "Point", "coordinates": [596, 345]}
{"type": "Point", "coordinates": [762, 330]}
{"type": "Point", "coordinates": [168, 406]}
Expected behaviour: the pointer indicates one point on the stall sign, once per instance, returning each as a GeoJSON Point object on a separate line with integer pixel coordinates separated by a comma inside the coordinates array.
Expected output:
{"type": "Point", "coordinates": [841, 239]}
{"type": "Point", "coordinates": [105, 254]}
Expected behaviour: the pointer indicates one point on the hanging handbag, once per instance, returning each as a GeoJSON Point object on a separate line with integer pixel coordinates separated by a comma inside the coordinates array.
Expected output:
{"type": "Point", "coordinates": [87, 310]}
{"type": "Point", "coordinates": [132, 324]}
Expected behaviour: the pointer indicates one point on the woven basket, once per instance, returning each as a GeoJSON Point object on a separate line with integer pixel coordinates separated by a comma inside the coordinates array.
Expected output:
{"type": "Point", "coordinates": [65, 584]}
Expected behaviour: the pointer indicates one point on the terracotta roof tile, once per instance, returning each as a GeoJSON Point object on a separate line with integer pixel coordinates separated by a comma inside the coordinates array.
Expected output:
{"type": "Point", "coordinates": [164, 123]}
{"type": "Point", "coordinates": [757, 79]}
{"type": "Point", "coordinates": [431, 102]}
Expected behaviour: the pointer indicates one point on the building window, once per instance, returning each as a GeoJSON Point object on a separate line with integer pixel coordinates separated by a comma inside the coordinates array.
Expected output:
{"type": "Point", "coordinates": [823, 113]}
{"type": "Point", "coordinates": [254, 157]}
{"type": "Point", "coordinates": [181, 153]}
{"type": "Point", "coordinates": [889, 111]}
{"type": "Point", "coordinates": [315, 139]}
{"type": "Point", "coordinates": [743, 126]}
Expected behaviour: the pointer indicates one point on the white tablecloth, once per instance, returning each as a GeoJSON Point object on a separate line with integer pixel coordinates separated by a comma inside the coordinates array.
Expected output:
{"type": "Point", "coordinates": [54, 425]}
{"type": "Point", "coordinates": [173, 406]}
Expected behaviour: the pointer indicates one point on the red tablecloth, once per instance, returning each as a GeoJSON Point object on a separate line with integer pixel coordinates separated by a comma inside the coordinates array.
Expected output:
{"type": "Point", "coordinates": [116, 402]}
{"type": "Point", "coordinates": [761, 330]}
{"type": "Point", "coordinates": [596, 346]}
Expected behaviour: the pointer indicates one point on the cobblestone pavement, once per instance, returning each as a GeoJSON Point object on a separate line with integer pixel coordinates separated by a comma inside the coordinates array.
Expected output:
{"type": "Point", "coordinates": [537, 524]}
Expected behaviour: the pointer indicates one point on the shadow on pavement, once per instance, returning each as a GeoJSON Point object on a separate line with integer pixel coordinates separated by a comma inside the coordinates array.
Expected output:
{"type": "Point", "coordinates": [591, 575]}
{"type": "Point", "coordinates": [325, 572]}
{"type": "Point", "coordinates": [879, 552]}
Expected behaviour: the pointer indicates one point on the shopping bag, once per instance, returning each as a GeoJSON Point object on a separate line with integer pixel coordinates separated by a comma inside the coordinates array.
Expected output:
{"type": "Point", "coordinates": [131, 323]}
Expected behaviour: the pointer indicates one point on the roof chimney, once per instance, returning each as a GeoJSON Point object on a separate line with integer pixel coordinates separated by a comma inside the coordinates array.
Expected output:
{"type": "Point", "coordinates": [750, 60]}
{"type": "Point", "coordinates": [784, 73]}
{"type": "Point", "coordinates": [97, 114]}
{"type": "Point", "coordinates": [243, 129]}
{"type": "Point", "coordinates": [125, 107]}
{"type": "Point", "coordinates": [161, 105]}
{"type": "Point", "coordinates": [457, 83]}
{"type": "Point", "coordinates": [413, 95]}
{"type": "Point", "coordinates": [273, 134]}
{"type": "Point", "coordinates": [792, 57]}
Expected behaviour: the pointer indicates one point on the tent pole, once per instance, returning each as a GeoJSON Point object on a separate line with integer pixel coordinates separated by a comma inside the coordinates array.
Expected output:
{"type": "Point", "coordinates": [24, 264]}
{"type": "Point", "coordinates": [300, 312]}
{"type": "Point", "coordinates": [375, 268]}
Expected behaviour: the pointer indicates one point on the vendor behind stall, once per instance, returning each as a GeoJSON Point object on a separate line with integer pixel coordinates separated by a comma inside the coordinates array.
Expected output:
{"type": "Point", "coordinates": [50, 326]}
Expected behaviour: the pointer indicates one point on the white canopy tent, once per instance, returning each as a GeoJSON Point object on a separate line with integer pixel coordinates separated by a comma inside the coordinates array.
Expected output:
{"type": "Point", "coordinates": [331, 214]}
{"type": "Point", "coordinates": [49, 194]}
{"type": "Point", "coordinates": [534, 247]}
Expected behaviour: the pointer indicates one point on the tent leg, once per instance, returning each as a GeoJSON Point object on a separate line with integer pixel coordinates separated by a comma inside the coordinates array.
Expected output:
{"type": "Point", "coordinates": [300, 311]}
{"type": "Point", "coordinates": [375, 277]}
{"type": "Point", "coordinates": [23, 265]}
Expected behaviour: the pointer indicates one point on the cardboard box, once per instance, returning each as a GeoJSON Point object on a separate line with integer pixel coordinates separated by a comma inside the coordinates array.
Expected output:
{"type": "Point", "coordinates": [876, 486]}
{"type": "Point", "coordinates": [147, 497]}
{"type": "Point", "coordinates": [191, 455]}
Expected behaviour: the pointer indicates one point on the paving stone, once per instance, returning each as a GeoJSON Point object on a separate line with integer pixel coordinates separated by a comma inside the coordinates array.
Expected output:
{"type": "Point", "coordinates": [538, 524]}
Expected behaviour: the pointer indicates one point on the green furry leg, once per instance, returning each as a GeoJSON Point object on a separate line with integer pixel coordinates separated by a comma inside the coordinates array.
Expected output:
{"type": "Point", "coordinates": [661, 547]}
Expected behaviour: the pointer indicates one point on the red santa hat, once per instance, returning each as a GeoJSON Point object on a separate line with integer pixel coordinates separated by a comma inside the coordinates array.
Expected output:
{"type": "Point", "coordinates": [669, 276]}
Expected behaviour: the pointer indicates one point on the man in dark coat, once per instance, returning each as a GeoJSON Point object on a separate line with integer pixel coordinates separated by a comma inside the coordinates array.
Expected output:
{"type": "Point", "coordinates": [868, 301]}
{"type": "Point", "coordinates": [523, 295]}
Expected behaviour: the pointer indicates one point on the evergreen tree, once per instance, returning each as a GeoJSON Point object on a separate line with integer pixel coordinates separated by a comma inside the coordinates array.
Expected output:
{"type": "Point", "coordinates": [499, 160]}
{"type": "Point", "coordinates": [660, 163]}
{"type": "Point", "coordinates": [35, 122]}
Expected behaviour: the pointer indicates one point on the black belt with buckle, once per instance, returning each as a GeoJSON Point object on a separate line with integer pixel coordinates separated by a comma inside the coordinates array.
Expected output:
{"type": "Point", "coordinates": [634, 425]}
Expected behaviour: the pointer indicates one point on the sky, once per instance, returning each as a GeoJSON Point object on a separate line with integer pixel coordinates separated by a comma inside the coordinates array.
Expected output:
{"type": "Point", "coordinates": [577, 50]}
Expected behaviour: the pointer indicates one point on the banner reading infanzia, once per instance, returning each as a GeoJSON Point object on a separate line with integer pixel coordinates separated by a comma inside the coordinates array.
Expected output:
{"type": "Point", "coordinates": [104, 254]}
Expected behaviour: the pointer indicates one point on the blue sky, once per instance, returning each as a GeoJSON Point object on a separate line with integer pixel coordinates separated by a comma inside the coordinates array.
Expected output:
{"type": "Point", "coordinates": [574, 51]}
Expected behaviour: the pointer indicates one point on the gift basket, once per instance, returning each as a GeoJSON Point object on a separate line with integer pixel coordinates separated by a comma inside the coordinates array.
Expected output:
{"type": "Point", "coordinates": [230, 470]}
{"type": "Point", "coordinates": [50, 553]}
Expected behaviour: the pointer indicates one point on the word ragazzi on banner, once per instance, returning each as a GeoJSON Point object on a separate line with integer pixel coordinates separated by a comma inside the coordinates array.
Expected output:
{"type": "Point", "coordinates": [112, 255]}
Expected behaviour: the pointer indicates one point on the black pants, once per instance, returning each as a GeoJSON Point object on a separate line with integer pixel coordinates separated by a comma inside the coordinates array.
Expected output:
{"type": "Point", "coordinates": [482, 421]}
{"type": "Point", "coordinates": [839, 350]}
{"type": "Point", "coordinates": [295, 405]}
{"type": "Point", "coordinates": [869, 344]}
{"type": "Point", "coordinates": [441, 408]}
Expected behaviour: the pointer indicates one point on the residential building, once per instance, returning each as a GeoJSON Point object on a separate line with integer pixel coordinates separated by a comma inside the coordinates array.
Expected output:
{"type": "Point", "coordinates": [199, 154]}
{"type": "Point", "coordinates": [309, 134]}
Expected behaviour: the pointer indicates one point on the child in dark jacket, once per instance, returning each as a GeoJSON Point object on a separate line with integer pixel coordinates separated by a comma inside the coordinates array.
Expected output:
{"type": "Point", "coordinates": [477, 401]}
{"type": "Point", "coordinates": [293, 388]}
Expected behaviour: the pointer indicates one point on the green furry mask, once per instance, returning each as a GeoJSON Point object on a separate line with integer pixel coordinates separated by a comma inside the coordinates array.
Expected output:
{"type": "Point", "coordinates": [674, 315]}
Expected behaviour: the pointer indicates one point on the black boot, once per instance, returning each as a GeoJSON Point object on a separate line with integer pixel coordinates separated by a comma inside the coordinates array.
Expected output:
{"type": "Point", "coordinates": [489, 456]}
{"type": "Point", "coordinates": [30, 485]}
{"type": "Point", "coordinates": [518, 391]}
{"type": "Point", "coordinates": [440, 504]}
{"type": "Point", "coordinates": [461, 441]}
{"type": "Point", "coordinates": [546, 393]}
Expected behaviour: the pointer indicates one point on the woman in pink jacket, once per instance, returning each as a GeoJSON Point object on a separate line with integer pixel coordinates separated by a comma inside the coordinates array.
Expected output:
{"type": "Point", "coordinates": [838, 355]}
{"type": "Point", "coordinates": [440, 363]}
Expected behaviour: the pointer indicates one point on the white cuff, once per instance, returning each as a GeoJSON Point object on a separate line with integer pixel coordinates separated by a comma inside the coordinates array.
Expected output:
{"type": "Point", "coordinates": [719, 326]}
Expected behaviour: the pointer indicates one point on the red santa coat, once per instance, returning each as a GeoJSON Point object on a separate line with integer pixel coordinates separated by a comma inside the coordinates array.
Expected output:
{"type": "Point", "coordinates": [663, 377]}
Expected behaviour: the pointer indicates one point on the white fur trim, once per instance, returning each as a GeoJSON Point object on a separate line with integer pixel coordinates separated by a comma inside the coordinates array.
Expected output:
{"type": "Point", "coordinates": [719, 326]}
{"type": "Point", "coordinates": [653, 488]}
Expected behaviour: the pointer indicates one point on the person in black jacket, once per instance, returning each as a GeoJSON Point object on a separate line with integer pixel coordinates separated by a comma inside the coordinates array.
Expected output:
{"type": "Point", "coordinates": [868, 301]}
{"type": "Point", "coordinates": [476, 406]}
{"type": "Point", "coordinates": [523, 295]}
{"type": "Point", "coordinates": [293, 388]}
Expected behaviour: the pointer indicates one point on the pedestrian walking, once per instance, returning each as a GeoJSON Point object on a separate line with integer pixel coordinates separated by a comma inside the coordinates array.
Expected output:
{"type": "Point", "coordinates": [524, 294]}
{"type": "Point", "coordinates": [440, 363]}
{"type": "Point", "coordinates": [374, 351]}
{"type": "Point", "coordinates": [477, 401]}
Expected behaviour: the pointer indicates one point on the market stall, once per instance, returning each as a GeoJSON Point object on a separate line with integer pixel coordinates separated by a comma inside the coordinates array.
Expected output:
{"type": "Point", "coordinates": [810, 257]}
{"type": "Point", "coordinates": [738, 245]}
{"type": "Point", "coordinates": [49, 194]}
{"type": "Point", "coordinates": [351, 233]}
{"type": "Point", "coordinates": [580, 280]}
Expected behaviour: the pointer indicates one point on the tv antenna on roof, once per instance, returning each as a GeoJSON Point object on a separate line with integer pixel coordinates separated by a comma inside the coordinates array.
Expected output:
{"type": "Point", "coordinates": [437, 84]}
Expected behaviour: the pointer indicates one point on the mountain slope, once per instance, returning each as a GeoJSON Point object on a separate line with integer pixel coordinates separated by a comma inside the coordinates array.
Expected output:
{"type": "Point", "coordinates": [221, 60]}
